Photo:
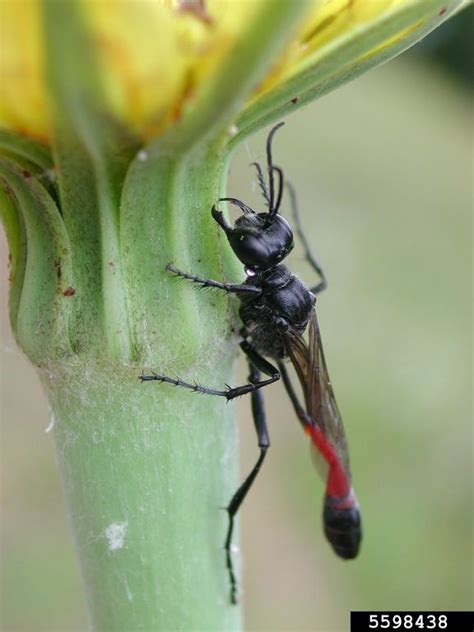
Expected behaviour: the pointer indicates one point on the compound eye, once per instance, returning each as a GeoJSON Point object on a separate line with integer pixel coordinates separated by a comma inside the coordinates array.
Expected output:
{"type": "Point", "coordinates": [250, 249]}
{"type": "Point", "coordinates": [258, 245]}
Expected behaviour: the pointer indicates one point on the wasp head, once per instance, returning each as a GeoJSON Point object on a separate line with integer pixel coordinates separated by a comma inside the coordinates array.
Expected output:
{"type": "Point", "coordinates": [259, 240]}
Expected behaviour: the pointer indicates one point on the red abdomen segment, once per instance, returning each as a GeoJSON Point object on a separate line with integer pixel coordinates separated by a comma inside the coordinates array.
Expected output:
{"type": "Point", "coordinates": [341, 515]}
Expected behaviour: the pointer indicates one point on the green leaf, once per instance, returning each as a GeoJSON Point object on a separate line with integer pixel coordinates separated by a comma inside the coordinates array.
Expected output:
{"type": "Point", "coordinates": [92, 152]}
{"type": "Point", "coordinates": [36, 154]}
{"type": "Point", "coordinates": [345, 57]}
{"type": "Point", "coordinates": [15, 232]}
{"type": "Point", "coordinates": [42, 305]}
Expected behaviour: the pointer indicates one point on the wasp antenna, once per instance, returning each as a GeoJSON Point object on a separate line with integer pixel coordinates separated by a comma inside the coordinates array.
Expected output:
{"type": "Point", "coordinates": [243, 207]}
{"type": "Point", "coordinates": [276, 206]}
{"type": "Point", "coordinates": [271, 168]}
{"type": "Point", "coordinates": [261, 182]}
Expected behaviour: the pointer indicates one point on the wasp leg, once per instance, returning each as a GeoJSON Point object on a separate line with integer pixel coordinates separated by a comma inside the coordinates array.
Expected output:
{"type": "Point", "coordinates": [230, 288]}
{"type": "Point", "coordinates": [311, 259]}
{"type": "Point", "coordinates": [258, 411]}
{"type": "Point", "coordinates": [229, 393]}
{"type": "Point", "coordinates": [302, 415]}
{"type": "Point", "coordinates": [257, 364]}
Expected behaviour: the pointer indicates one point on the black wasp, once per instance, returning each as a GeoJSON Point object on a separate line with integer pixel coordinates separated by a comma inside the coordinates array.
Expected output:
{"type": "Point", "coordinates": [275, 309]}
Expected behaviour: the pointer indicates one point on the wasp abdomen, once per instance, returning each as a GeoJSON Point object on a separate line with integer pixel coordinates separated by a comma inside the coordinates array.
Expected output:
{"type": "Point", "coordinates": [343, 526]}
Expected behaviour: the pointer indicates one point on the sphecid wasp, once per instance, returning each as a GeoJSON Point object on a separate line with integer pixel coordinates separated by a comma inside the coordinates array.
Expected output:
{"type": "Point", "coordinates": [276, 308]}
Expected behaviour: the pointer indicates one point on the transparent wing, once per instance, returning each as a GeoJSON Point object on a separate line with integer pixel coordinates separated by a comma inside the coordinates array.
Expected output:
{"type": "Point", "coordinates": [310, 365]}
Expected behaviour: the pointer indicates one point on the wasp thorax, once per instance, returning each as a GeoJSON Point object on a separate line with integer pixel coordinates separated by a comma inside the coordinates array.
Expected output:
{"type": "Point", "coordinates": [260, 242]}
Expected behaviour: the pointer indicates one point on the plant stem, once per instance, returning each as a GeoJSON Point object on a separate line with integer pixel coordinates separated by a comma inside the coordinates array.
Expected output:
{"type": "Point", "coordinates": [146, 470]}
{"type": "Point", "coordinates": [151, 463]}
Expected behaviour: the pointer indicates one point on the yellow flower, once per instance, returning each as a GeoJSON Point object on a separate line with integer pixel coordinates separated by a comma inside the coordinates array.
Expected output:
{"type": "Point", "coordinates": [155, 57]}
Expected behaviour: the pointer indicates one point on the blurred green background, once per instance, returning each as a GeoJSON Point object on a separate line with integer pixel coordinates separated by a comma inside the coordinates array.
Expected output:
{"type": "Point", "coordinates": [383, 172]}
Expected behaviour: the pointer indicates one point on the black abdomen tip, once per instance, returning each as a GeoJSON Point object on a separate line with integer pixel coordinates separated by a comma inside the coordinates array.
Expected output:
{"type": "Point", "coordinates": [343, 527]}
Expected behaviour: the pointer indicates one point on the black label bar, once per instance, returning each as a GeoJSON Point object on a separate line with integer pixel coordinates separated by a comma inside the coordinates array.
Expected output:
{"type": "Point", "coordinates": [386, 621]}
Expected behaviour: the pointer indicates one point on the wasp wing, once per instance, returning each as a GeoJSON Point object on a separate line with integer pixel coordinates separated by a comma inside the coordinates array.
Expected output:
{"type": "Point", "coordinates": [320, 402]}
{"type": "Point", "coordinates": [341, 515]}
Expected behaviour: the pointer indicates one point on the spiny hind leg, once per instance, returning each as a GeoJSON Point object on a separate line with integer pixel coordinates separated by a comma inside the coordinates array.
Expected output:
{"type": "Point", "coordinates": [259, 419]}
{"type": "Point", "coordinates": [229, 393]}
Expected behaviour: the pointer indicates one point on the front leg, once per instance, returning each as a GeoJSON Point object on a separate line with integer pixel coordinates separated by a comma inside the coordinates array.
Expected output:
{"type": "Point", "coordinates": [230, 288]}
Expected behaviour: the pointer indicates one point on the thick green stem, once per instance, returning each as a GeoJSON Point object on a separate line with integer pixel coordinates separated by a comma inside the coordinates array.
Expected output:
{"type": "Point", "coordinates": [146, 472]}
{"type": "Point", "coordinates": [147, 468]}
{"type": "Point", "coordinates": [150, 464]}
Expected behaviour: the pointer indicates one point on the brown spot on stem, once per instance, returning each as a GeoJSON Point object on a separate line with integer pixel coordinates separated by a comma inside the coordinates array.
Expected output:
{"type": "Point", "coordinates": [295, 100]}
{"type": "Point", "coordinates": [57, 267]}
{"type": "Point", "coordinates": [69, 291]}
{"type": "Point", "coordinates": [443, 11]}
{"type": "Point", "coordinates": [25, 173]}
{"type": "Point", "coordinates": [6, 187]}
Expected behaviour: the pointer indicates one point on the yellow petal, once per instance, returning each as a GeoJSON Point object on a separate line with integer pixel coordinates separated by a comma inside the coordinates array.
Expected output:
{"type": "Point", "coordinates": [155, 55]}
{"type": "Point", "coordinates": [152, 54]}
{"type": "Point", "coordinates": [23, 98]}
{"type": "Point", "coordinates": [330, 20]}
